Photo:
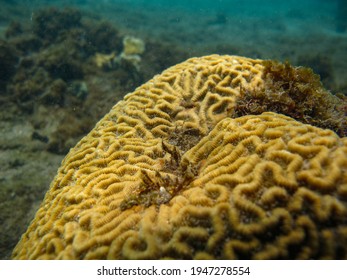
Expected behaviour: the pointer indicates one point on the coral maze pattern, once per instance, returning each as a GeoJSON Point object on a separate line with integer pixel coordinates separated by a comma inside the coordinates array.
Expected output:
{"type": "Point", "coordinates": [167, 174]}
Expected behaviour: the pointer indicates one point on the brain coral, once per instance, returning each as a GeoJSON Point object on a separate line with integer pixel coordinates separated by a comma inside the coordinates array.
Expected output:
{"type": "Point", "coordinates": [172, 173]}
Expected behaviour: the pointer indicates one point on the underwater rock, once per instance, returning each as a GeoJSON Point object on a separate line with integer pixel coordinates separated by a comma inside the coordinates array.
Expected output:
{"type": "Point", "coordinates": [67, 132]}
{"type": "Point", "coordinates": [54, 94]}
{"type": "Point", "coordinates": [8, 61]}
{"type": "Point", "coordinates": [102, 37]}
{"type": "Point", "coordinates": [26, 44]}
{"type": "Point", "coordinates": [62, 62]}
{"type": "Point", "coordinates": [13, 30]}
{"type": "Point", "coordinates": [49, 23]}
{"type": "Point", "coordinates": [27, 86]}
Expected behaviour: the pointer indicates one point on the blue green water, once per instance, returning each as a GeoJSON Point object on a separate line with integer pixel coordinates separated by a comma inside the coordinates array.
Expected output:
{"type": "Point", "coordinates": [306, 10]}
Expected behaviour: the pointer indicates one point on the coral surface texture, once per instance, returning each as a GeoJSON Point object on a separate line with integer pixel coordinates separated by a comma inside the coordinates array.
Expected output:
{"type": "Point", "coordinates": [180, 169]}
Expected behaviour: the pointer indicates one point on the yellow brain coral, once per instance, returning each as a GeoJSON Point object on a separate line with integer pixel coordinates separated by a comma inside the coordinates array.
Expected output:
{"type": "Point", "coordinates": [168, 173]}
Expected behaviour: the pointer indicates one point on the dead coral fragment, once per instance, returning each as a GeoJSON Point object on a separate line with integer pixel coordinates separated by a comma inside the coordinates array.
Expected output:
{"type": "Point", "coordinates": [133, 45]}
{"type": "Point", "coordinates": [132, 49]}
{"type": "Point", "coordinates": [104, 61]}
